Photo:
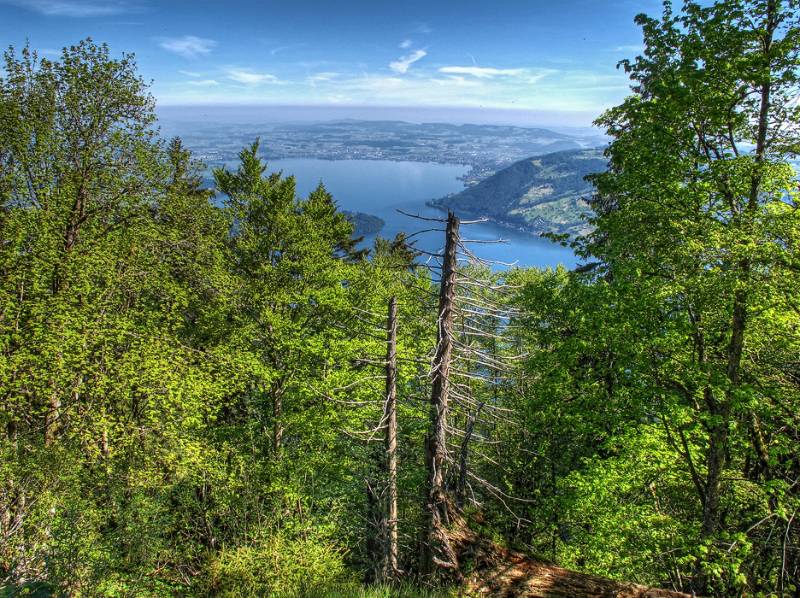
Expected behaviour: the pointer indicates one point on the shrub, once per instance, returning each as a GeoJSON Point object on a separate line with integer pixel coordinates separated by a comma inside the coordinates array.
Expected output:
{"type": "Point", "coordinates": [278, 565]}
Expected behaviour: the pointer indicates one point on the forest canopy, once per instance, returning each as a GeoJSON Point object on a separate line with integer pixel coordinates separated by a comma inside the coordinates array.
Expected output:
{"type": "Point", "coordinates": [221, 392]}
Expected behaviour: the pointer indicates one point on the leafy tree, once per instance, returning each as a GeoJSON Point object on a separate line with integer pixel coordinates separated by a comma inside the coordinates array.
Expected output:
{"type": "Point", "coordinates": [108, 387]}
{"type": "Point", "coordinates": [692, 215]}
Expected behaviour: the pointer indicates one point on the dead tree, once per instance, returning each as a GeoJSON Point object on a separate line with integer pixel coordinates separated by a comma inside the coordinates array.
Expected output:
{"type": "Point", "coordinates": [469, 364]}
{"type": "Point", "coordinates": [390, 568]}
{"type": "Point", "coordinates": [437, 553]}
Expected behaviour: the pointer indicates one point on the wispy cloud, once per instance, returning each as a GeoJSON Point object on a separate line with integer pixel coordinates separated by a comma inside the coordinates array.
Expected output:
{"type": "Point", "coordinates": [398, 90]}
{"type": "Point", "coordinates": [323, 77]}
{"type": "Point", "coordinates": [401, 65]}
{"type": "Point", "coordinates": [481, 72]}
{"type": "Point", "coordinates": [78, 8]}
{"type": "Point", "coordinates": [523, 87]}
{"type": "Point", "coordinates": [191, 73]}
{"type": "Point", "coordinates": [279, 49]}
{"type": "Point", "coordinates": [250, 77]}
{"type": "Point", "coordinates": [204, 83]}
{"type": "Point", "coordinates": [188, 46]}
{"type": "Point", "coordinates": [575, 90]}
{"type": "Point", "coordinates": [406, 44]}
{"type": "Point", "coordinates": [528, 76]}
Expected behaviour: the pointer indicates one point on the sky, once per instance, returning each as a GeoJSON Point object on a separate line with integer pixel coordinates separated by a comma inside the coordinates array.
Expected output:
{"type": "Point", "coordinates": [552, 60]}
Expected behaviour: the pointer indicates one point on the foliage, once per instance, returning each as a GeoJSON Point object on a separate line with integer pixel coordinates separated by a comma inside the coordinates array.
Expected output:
{"type": "Point", "coordinates": [276, 565]}
{"type": "Point", "coordinates": [192, 380]}
{"type": "Point", "coordinates": [664, 367]}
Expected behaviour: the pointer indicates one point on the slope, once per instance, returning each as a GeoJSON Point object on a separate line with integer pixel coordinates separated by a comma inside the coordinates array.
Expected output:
{"type": "Point", "coordinates": [542, 194]}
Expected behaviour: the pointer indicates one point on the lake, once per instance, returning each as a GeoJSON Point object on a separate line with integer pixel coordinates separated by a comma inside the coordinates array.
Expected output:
{"type": "Point", "coordinates": [381, 187]}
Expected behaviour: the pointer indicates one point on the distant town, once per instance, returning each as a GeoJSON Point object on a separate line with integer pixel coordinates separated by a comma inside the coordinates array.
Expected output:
{"type": "Point", "coordinates": [485, 148]}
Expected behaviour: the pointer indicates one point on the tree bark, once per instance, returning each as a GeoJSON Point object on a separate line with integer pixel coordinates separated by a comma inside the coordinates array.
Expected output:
{"type": "Point", "coordinates": [437, 553]}
{"type": "Point", "coordinates": [390, 570]}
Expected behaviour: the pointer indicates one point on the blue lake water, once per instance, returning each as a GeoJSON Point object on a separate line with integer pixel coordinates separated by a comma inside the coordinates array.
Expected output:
{"type": "Point", "coordinates": [381, 187]}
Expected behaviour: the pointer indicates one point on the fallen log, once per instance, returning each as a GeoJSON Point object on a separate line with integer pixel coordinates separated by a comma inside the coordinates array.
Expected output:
{"type": "Point", "coordinates": [499, 572]}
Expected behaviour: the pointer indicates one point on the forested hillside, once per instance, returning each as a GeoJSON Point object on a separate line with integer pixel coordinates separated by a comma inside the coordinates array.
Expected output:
{"type": "Point", "coordinates": [228, 398]}
{"type": "Point", "coordinates": [546, 194]}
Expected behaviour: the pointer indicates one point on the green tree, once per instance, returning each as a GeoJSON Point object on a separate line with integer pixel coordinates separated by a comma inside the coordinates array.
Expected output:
{"type": "Point", "coordinates": [111, 261]}
{"type": "Point", "coordinates": [692, 218]}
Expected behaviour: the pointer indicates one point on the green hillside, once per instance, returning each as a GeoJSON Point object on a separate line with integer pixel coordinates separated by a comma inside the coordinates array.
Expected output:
{"type": "Point", "coordinates": [364, 224]}
{"type": "Point", "coordinates": [542, 194]}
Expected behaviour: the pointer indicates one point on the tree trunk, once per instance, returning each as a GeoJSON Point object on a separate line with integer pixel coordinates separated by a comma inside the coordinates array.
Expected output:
{"type": "Point", "coordinates": [277, 425]}
{"type": "Point", "coordinates": [715, 464]}
{"type": "Point", "coordinates": [390, 570]}
{"type": "Point", "coordinates": [437, 553]}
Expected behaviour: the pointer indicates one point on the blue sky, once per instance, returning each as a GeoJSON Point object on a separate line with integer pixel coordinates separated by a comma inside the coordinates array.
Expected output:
{"type": "Point", "coordinates": [545, 56]}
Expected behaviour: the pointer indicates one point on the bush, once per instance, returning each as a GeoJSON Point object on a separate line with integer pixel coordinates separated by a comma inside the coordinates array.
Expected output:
{"type": "Point", "coordinates": [277, 566]}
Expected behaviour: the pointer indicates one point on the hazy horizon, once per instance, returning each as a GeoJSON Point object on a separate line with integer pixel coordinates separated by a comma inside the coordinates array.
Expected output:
{"type": "Point", "coordinates": [523, 62]}
{"type": "Point", "coordinates": [270, 113]}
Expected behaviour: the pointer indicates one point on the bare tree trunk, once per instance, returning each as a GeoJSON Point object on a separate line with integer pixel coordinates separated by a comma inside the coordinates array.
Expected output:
{"type": "Point", "coordinates": [277, 426]}
{"type": "Point", "coordinates": [391, 570]}
{"type": "Point", "coordinates": [437, 553]}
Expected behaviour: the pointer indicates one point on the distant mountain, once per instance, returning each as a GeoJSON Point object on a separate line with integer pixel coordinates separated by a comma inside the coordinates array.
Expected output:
{"type": "Point", "coordinates": [541, 194]}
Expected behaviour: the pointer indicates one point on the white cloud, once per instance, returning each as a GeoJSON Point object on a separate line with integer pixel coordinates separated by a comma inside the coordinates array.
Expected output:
{"type": "Point", "coordinates": [190, 73]}
{"type": "Point", "coordinates": [249, 77]}
{"type": "Point", "coordinates": [527, 76]}
{"type": "Point", "coordinates": [323, 77]}
{"type": "Point", "coordinates": [204, 83]}
{"type": "Point", "coordinates": [401, 65]}
{"type": "Point", "coordinates": [188, 46]}
{"type": "Point", "coordinates": [77, 8]}
{"type": "Point", "coordinates": [458, 80]}
{"type": "Point", "coordinates": [397, 90]}
{"type": "Point", "coordinates": [528, 88]}
{"type": "Point", "coordinates": [406, 44]}
{"type": "Point", "coordinates": [482, 72]}
{"type": "Point", "coordinates": [579, 90]}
